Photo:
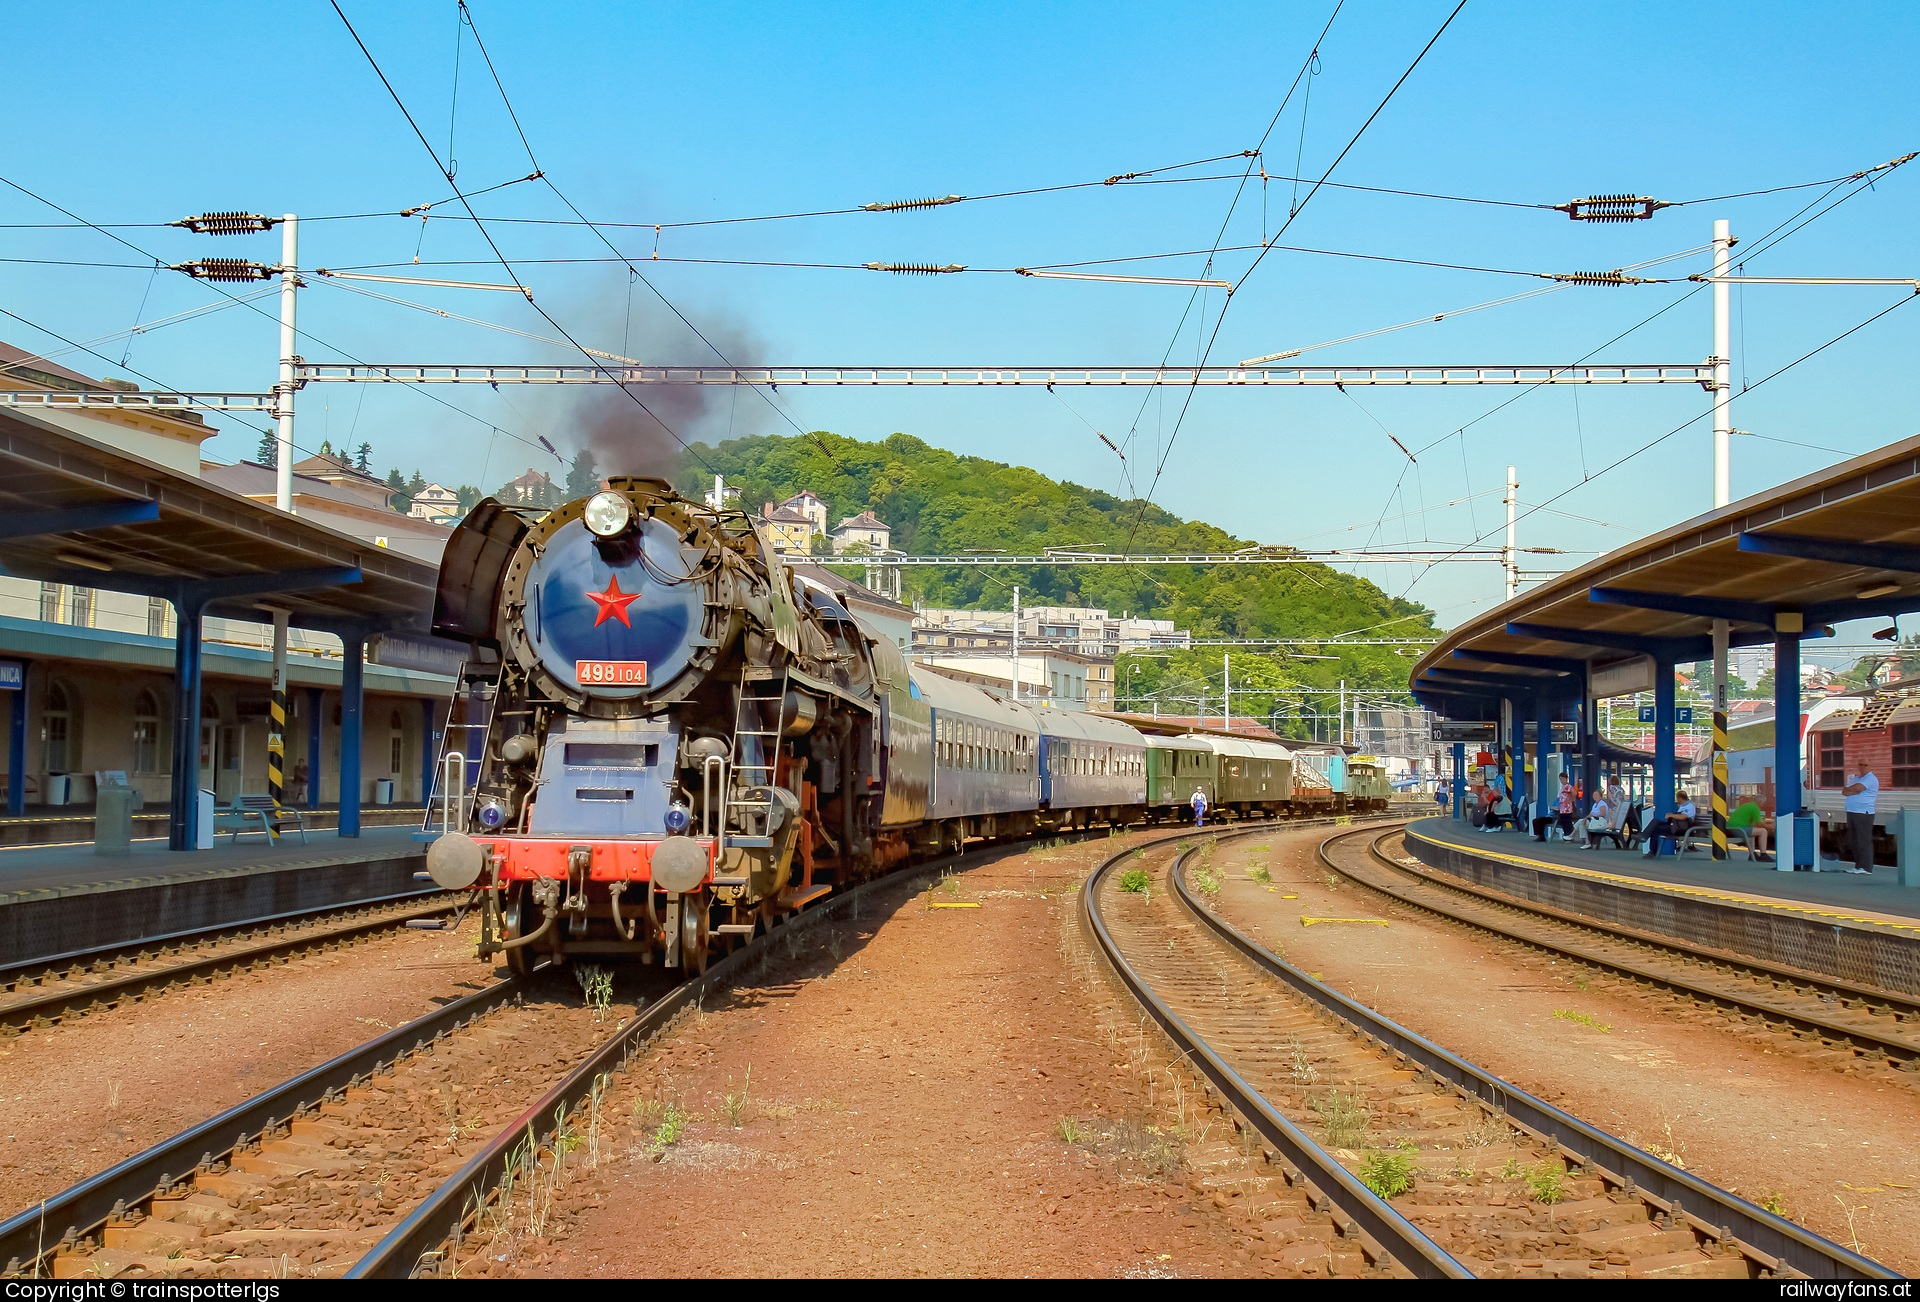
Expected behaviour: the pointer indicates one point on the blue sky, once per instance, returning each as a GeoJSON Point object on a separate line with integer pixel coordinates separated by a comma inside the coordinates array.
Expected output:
{"type": "Point", "coordinates": [646, 114]}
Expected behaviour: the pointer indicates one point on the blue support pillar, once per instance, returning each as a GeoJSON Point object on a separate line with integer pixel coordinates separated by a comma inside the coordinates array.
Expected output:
{"type": "Point", "coordinates": [1590, 772]}
{"type": "Point", "coordinates": [315, 721]}
{"type": "Point", "coordinates": [352, 703]}
{"type": "Point", "coordinates": [1661, 797]}
{"type": "Point", "coordinates": [1544, 794]}
{"type": "Point", "coordinates": [427, 749]}
{"type": "Point", "coordinates": [184, 812]}
{"type": "Point", "coordinates": [17, 747]}
{"type": "Point", "coordinates": [1786, 741]}
{"type": "Point", "coordinates": [1459, 779]}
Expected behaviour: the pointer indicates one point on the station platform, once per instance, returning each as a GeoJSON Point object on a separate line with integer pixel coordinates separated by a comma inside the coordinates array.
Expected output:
{"type": "Point", "coordinates": [61, 899]}
{"type": "Point", "coordinates": [1860, 929]}
{"type": "Point", "coordinates": [73, 824]}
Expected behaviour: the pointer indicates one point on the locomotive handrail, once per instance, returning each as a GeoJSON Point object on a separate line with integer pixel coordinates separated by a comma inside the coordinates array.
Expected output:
{"type": "Point", "coordinates": [453, 795]}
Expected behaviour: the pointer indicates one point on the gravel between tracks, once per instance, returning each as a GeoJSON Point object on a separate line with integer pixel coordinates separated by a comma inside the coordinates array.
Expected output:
{"type": "Point", "coordinates": [1740, 1108]}
{"type": "Point", "coordinates": [910, 1072]}
{"type": "Point", "coordinates": [81, 1096]}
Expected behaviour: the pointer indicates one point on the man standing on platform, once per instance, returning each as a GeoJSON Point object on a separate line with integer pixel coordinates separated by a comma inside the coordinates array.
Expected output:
{"type": "Point", "coordinates": [1862, 792]}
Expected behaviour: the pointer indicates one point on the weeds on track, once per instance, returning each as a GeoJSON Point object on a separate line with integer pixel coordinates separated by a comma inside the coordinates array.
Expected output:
{"type": "Point", "coordinates": [1547, 1182]}
{"type": "Point", "coordinates": [1207, 882]}
{"type": "Point", "coordinates": [1069, 1131]}
{"type": "Point", "coordinates": [1304, 1072]}
{"type": "Point", "coordinates": [1134, 881]}
{"type": "Point", "coordinates": [596, 984]}
{"type": "Point", "coordinates": [736, 1104]}
{"type": "Point", "coordinates": [1260, 873]}
{"type": "Point", "coordinates": [1389, 1172]}
{"type": "Point", "coordinates": [1344, 1114]}
{"type": "Point", "coordinates": [1585, 1019]}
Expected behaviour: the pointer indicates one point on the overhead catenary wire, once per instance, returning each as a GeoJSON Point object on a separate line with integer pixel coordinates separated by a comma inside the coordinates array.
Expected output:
{"type": "Point", "coordinates": [245, 300]}
{"type": "Point", "coordinates": [632, 270]}
{"type": "Point", "coordinates": [488, 237]}
{"type": "Point", "coordinates": [1220, 320]}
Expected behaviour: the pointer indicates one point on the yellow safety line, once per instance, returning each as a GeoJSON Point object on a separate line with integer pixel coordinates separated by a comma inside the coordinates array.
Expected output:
{"type": "Point", "coordinates": [946, 904]}
{"type": "Point", "coordinates": [1305, 921]}
{"type": "Point", "coordinates": [1673, 888]}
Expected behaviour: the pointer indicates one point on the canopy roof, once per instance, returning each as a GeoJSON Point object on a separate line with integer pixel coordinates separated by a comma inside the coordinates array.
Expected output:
{"type": "Point", "coordinates": [1840, 544]}
{"type": "Point", "coordinates": [75, 510]}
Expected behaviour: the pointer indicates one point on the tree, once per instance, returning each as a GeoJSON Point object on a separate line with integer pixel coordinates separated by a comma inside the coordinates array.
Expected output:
{"type": "Point", "coordinates": [416, 485]}
{"type": "Point", "coordinates": [363, 458]}
{"type": "Point", "coordinates": [469, 497]}
{"type": "Point", "coordinates": [583, 476]}
{"type": "Point", "coordinates": [268, 453]}
{"type": "Point", "coordinates": [399, 499]}
{"type": "Point", "coordinates": [326, 447]}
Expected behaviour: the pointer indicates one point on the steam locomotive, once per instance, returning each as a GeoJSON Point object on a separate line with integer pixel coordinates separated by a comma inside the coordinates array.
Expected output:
{"type": "Point", "coordinates": [678, 740]}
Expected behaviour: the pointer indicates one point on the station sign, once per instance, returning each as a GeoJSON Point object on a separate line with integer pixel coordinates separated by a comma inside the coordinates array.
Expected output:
{"type": "Point", "coordinates": [1681, 714]}
{"type": "Point", "coordinates": [13, 675]}
{"type": "Point", "coordinates": [1565, 732]}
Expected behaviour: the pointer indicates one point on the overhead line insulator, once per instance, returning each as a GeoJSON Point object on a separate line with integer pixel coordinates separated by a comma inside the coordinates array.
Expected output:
{"type": "Point", "coordinates": [913, 205]}
{"type": "Point", "coordinates": [229, 270]}
{"type": "Point", "coordinates": [1611, 208]}
{"type": "Point", "coordinates": [227, 223]}
{"type": "Point", "coordinates": [1601, 278]}
{"type": "Point", "coordinates": [915, 268]}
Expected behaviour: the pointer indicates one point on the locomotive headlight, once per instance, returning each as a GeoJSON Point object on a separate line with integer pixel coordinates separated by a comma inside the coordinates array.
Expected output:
{"type": "Point", "coordinates": [492, 813]}
{"type": "Point", "coordinates": [678, 818]}
{"type": "Point", "coordinates": [607, 514]}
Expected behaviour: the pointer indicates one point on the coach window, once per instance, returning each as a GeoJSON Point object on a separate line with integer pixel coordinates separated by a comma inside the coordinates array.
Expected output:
{"type": "Point", "coordinates": [1906, 754]}
{"type": "Point", "coordinates": [1833, 758]}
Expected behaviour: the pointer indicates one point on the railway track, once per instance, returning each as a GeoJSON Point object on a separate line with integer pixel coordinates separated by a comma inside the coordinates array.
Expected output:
{"type": "Point", "coordinates": [372, 1164]}
{"type": "Point", "coordinates": [76, 984]}
{"type": "Point", "coordinates": [1479, 1178]}
{"type": "Point", "coordinates": [1844, 1022]}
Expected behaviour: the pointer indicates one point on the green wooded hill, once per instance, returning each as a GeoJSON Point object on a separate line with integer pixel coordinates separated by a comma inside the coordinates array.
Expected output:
{"type": "Point", "coordinates": [939, 503]}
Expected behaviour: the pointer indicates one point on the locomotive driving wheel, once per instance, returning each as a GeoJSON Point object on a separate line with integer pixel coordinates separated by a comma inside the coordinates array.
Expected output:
{"type": "Point", "coordinates": [520, 958]}
{"type": "Point", "coordinates": [693, 933]}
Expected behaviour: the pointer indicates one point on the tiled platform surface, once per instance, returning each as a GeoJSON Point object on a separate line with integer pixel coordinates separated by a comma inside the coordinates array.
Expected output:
{"type": "Point", "coordinates": [1860, 929]}
{"type": "Point", "coordinates": [58, 899]}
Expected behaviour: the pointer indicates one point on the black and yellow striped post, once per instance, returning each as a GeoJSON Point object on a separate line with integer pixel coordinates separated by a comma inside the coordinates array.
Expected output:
{"type": "Point", "coordinates": [1719, 784]}
{"type": "Point", "coordinates": [277, 724]}
{"type": "Point", "coordinates": [277, 748]}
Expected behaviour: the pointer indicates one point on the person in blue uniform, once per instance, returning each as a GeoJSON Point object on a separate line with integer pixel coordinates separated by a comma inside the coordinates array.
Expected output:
{"type": "Point", "coordinates": [1199, 807]}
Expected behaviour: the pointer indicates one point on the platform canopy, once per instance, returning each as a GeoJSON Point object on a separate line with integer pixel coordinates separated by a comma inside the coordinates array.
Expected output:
{"type": "Point", "coordinates": [74, 510]}
{"type": "Point", "coordinates": [1782, 565]}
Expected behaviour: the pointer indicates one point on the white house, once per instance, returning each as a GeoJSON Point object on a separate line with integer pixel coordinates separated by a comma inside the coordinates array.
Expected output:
{"type": "Point", "coordinates": [866, 529]}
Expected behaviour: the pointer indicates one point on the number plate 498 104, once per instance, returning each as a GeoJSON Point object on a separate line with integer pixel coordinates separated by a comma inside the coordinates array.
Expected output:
{"type": "Point", "coordinates": [610, 673]}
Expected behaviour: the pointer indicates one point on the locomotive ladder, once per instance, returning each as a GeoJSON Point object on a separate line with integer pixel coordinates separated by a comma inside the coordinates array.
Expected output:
{"type": "Point", "coordinates": [463, 738]}
{"type": "Point", "coordinates": [758, 714]}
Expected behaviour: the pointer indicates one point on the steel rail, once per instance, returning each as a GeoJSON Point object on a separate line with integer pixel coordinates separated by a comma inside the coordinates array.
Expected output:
{"type": "Point", "coordinates": [86, 1207]}
{"type": "Point", "coordinates": [1394, 1233]}
{"type": "Point", "coordinates": [420, 1238]}
{"type": "Point", "coordinates": [14, 972]}
{"type": "Point", "coordinates": [111, 989]}
{"type": "Point", "coordinates": [1805, 1020]}
{"type": "Point", "coordinates": [1760, 1234]}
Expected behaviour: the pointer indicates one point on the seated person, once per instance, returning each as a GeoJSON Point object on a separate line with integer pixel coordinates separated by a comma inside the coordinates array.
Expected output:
{"type": "Point", "coordinates": [1673, 828]}
{"type": "Point", "coordinates": [1498, 813]}
{"type": "Point", "coordinates": [1599, 825]}
{"type": "Point", "coordinates": [1750, 816]}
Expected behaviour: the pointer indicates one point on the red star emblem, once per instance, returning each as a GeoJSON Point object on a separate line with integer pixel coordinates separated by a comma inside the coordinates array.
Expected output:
{"type": "Point", "coordinates": [613, 603]}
